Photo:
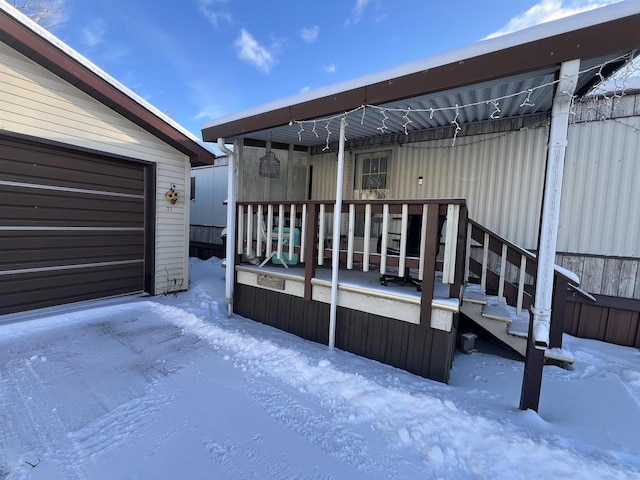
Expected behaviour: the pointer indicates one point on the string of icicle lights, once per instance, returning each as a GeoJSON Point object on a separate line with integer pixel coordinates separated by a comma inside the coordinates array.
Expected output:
{"type": "Point", "coordinates": [406, 112]}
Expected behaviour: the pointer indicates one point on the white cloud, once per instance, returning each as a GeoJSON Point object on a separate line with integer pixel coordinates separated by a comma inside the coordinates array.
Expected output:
{"type": "Point", "coordinates": [214, 11]}
{"type": "Point", "coordinates": [310, 34]}
{"type": "Point", "coordinates": [252, 52]}
{"type": "Point", "coordinates": [93, 34]}
{"type": "Point", "coordinates": [357, 12]}
{"type": "Point", "coordinates": [305, 89]}
{"type": "Point", "coordinates": [208, 112]}
{"type": "Point", "coordinates": [546, 11]}
{"type": "Point", "coordinates": [331, 68]}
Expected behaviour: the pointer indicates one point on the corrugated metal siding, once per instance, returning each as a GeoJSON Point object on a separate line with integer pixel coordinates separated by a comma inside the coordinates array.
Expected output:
{"type": "Point", "coordinates": [325, 169]}
{"type": "Point", "coordinates": [500, 175]}
{"type": "Point", "coordinates": [211, 191]}
{"type": "Point", "coordinates": [600, 197]}
{"type": "Point", "coordinates": [36, 102]}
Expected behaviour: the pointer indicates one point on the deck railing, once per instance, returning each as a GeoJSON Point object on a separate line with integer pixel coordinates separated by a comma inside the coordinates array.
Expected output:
{"type": "Point", "coordinates": [509, 271]}
{"type": "Point", "coordinates": [373, 236]}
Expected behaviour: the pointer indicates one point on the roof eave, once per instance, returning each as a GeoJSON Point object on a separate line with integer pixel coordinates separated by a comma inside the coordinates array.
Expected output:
{"type": "Point", "coordinates": [27, 42]}
{"type": "Point", "coordinates": [615, 36]}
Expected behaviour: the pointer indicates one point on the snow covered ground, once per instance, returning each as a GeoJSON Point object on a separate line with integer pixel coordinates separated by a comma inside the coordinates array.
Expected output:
{"type": "Point", "coordinates": [168, 387]}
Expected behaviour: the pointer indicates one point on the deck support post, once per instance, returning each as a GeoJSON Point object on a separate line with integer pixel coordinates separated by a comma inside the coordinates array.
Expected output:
{"type": "Point", "coordinates": [541, 325]}
{"type": "Point", "coordinates": [335, 244]}
{"type": "Point", "coordinates": [229, 275]}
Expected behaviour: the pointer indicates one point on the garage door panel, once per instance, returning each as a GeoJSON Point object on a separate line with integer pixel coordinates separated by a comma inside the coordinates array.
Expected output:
{"type": "Point", "coordinates": [12, 240]}
{"type": "Point", "coordinates": [68, 169]}
{"type": "Point", "coordinates": [49, 257]}
{"type": "Point", "coordinates": [29, 206]}
{"type": "Point", "coordinates": [43, 289]}
{"type": "Point", "coordinates": [72, 225]}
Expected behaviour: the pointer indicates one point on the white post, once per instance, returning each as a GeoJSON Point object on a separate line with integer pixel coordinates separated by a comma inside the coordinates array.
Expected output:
{"type": "Point", "coordinates": [335, 251]}
{"type": "Point", "coordinates": [231, 225]}
{"type": "Point", "coordinates": [551, 202]}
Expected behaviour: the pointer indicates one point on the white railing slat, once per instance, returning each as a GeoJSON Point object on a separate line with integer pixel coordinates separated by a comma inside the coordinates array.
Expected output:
{"type": "Point", "coordinates": [367, 237]}
{"type": "Point", "coordinates": [292, 230]}
{"type": "Point", "coordinates": [303, 233]}
{"type": "Point", "coordinates": [259, 232]}
{"type": "Point", "coordinates": [269, 231]}
{"type": "Point", "coordinates": [503, 269]}
{"type": "Point", "coordinates": [485, 260]}
{"type": "Point", "coordinates": [385, 231]}
{"type": "Point", "coordinates": [240, 238]}
{"type": "Point", "coordinates": [467, 256]}
{"type": "Point", "coordinates": [403, 238]}
{"type": "Point", "coordinates": [280, 230]}
{"type": "Point", "coordinates": [523, 273]}
{"type": "Point", "coordinates": [350, 238]}
{"type": "Point", "coordinates": [321, 235]}
{"type": "Point", "coordinates": [451, 244]}
{"type": "Point", "coordinates": [250, 231]}
{"type": "Point", "coordinates": [423, 240]}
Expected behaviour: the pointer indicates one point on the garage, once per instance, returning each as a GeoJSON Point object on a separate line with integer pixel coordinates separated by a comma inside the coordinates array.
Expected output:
{"type": "Point", "coordinates": [94, 180]}
{"type": "Point", "coordinates": [74, 225]}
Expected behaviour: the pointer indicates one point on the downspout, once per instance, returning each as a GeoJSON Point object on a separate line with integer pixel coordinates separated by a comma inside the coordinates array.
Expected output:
{"type": "Point", "coordinates": [231, 225]}
{"type": "Point", "coordinates": [335, 250]}
{"type": "Point", "coordinates": [551, 202]}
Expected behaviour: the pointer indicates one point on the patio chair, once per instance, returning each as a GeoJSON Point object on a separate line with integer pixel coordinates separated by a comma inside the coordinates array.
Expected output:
{"type": "Point", "coordinates": [414, 239]}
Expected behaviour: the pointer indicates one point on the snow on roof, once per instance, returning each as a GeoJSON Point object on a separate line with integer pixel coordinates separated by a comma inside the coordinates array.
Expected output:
{"type": "Point", "coordinates": [538, 32]}
{"type": "Point", "coordinates": [52, 39]}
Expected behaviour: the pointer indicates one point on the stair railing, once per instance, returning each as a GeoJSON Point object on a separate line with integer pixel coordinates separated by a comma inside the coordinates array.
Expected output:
{"type": "Point", "coordinates": [511, 273]}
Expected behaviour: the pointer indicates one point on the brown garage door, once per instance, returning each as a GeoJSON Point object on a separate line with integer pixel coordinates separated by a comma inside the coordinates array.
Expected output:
{"type": "Point", "coordinates": [72, 226]}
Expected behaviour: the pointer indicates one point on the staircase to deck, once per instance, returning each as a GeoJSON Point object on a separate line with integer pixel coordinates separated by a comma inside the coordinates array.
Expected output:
{"type": "Point", "coordinates": [503, 322]}
{"type": "Point", "coordinates": [498, 276]}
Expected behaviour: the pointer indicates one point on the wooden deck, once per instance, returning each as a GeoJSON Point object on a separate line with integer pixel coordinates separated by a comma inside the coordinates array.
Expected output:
{"type": "Point", "coordinates": [374, 321]}
{"type": "Point", "coordinates": [356, 290]}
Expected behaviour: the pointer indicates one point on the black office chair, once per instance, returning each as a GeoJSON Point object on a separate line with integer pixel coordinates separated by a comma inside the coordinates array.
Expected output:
{"type": "Point", "coordinates": [414, 237]}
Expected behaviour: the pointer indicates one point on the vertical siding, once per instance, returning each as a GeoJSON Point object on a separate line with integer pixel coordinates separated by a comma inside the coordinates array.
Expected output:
{"type": "Point", "coordinates": [325, 169]}
{"type": "Point", "coordinates": [500, 175]}
{"type": "Point", "coordinates": [34, 101]}
{"type": "Point", "coordinates": [211, 191]}
{"type": "Point", "coordinates": [600, 198]}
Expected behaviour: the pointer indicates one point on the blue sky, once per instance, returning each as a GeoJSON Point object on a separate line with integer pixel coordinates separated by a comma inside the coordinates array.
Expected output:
{"type": "Point", "coordinates": [200, 59]}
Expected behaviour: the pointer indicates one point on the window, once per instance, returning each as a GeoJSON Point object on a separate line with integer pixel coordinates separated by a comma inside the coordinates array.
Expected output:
{"type": "Point", "coordinates": [374, 171]}
{"type": "Point", "coordinates": [192, 196]}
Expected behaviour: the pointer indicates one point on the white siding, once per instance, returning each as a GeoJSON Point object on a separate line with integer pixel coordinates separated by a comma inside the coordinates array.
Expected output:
{"type": "Point", "coordinates": [500, 175]}
{"type": "Point", "coordinates": [35, 102]}
{"type": "Point", "coordinates": [601, 191]}
{"type": "Point", "coordinates": [211, 191]}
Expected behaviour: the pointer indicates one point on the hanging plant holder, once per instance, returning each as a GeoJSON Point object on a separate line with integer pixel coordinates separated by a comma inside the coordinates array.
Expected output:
{"type": "Point", "coordinates": [270, 166]}
{"type": "Point", "coordinates": [172, 195]}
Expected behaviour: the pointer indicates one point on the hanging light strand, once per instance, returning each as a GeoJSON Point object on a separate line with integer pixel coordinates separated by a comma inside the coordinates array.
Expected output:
{"type": "Point", "coordinates": [458, 109]}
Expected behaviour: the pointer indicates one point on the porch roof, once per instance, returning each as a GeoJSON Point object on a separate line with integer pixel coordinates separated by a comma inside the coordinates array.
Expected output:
{"type": "Point", "coordinates": [509, 76]}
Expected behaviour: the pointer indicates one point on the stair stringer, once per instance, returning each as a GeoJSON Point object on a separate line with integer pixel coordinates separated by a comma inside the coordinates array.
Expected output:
{"type": "Point", "coordinates": [496, 328]}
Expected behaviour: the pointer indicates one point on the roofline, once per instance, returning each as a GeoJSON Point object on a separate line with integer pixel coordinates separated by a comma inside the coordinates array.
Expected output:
{"type": "Point", "coordinates": [30, 39]}
{"type": "Point", "coordinates": [590, 34]}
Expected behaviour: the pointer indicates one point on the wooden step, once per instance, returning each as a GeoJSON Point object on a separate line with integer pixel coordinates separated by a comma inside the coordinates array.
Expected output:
{"type": "Point", "coordinates": [559, 354]}
{"type": "Point", "coordinates": [497, 311]}
{"type": "Point", "coordinates": [474, 294]}
{"type": "Point", "coordinates": [519, 327]}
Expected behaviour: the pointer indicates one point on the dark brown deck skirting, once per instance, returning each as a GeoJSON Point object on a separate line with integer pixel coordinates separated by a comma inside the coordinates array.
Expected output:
{"type": "Point", "coordinates": [609, 321]}
{"type": "Point", "coordinates": [418, 349]}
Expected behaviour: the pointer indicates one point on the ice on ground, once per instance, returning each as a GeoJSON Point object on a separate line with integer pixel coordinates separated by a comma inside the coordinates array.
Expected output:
{"type": "Point", "coordinates": [168, 387]}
